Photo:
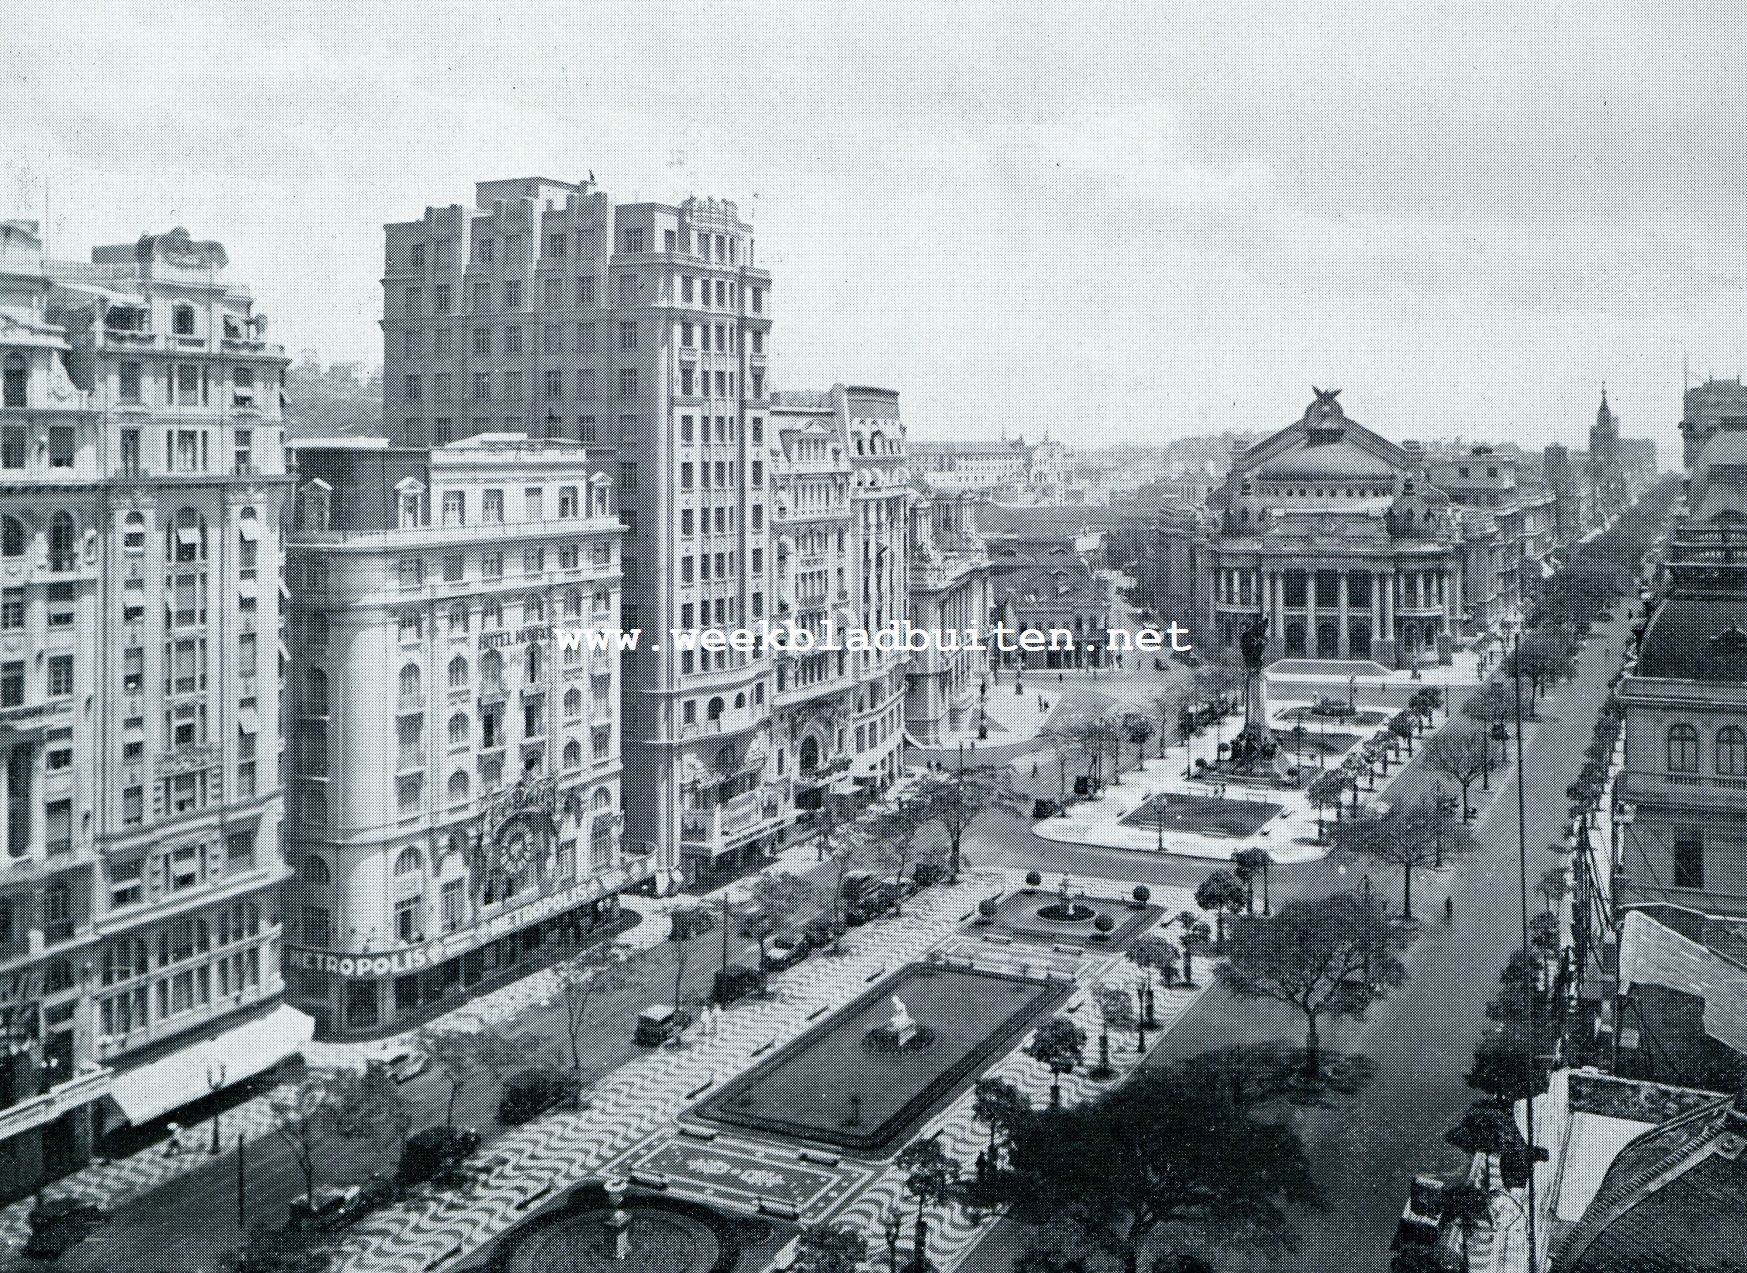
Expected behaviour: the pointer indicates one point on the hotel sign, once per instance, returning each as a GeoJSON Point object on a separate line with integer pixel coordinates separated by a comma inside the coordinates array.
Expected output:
{"type": "Point", "coordinates": [412, 958]}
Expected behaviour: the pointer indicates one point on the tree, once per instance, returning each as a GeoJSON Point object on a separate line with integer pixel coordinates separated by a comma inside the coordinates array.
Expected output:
{"type": "Point", "coordinates": [1115, 1008]}
{"type": "Point", "coordinates": [1250, 863]}
{"type": "Point", "coordinates": [1401, 726]}
{"type": "Point", "coordinates": [931, 1178]}
{"type": "Point", "coordinates": [893, 836]}
{"type": "Point", "coordinates": [594, 970]}
{"type": "Point", "coordinates": [462, 1056]}
{"type": "Point", "coordinates": [1153, 955]}
{"type": "Point", "coordinates": [1411, 838]}
{"type": "Point", "coordinates": [773, 900]}
{"type": "Point", "coordinates": [1462, 755]}
{"type": "Point", "coordinates": [1492, 705]}
{"type": "Point", "coordinates": [1046, 1256]}
{"type": "Point", "coordinates": [1059, 1045]}
{"type": "Point", "coordinates": [1544, 656]}
{"type": "Point", "coordinates": [1195, 936]}
{"type": "Point", "coordinates": [998, 1104]}
{"type": "Point", "coordinates": [1222, 893]}
{"type": "Point", "coordinates": [1326, 793]}
{"type": "Point", "coordinates": [1329, 956]}
{"type": "Point", "coordinates": [1165, 706]}
{"type": "Point", "coordinates": [367, 1104]}
{"type": "Point", "coordinates": [956, 799]}
{"type": "Point", "coordinates": [1487, 1129]}
{"type": "Point", "coordinates": [1137, 727]}
{"type": "Point", "coordinates": [304, 1117]}
{"type": "Point", "coordinates": [1554, 885]}
{"type": "Point", "coordinates": [829, 1248]}
{"type": "Point", "coordinates": [1170, 1152]}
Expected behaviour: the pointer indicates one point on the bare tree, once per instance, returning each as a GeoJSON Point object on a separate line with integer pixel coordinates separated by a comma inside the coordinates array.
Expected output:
{"type": "Point", "coordinates": [600, 969]}
{"type": "Point", "coordinates": [1461, 754]}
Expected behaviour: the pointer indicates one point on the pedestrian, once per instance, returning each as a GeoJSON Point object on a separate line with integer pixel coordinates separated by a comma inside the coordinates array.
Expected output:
{"type": "Point", "coordinates": [1034, 769]}
{"type": "Point", "coordinates": [173, 1146]}
{"type": "Point", "coordinates": [1449, 909]}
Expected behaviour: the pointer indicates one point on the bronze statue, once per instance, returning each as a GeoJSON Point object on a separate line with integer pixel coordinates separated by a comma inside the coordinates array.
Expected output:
{"type": "Point", "coordinates": [1253, 642]}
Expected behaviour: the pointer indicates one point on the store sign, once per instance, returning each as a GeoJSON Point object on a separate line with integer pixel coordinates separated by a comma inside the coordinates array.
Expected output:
{"type": "Point", "coordinates": [413, 958]}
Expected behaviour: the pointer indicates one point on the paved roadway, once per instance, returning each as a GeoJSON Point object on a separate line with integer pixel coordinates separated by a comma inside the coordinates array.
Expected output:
{"type": "Point", "coordinates": [1422, 1038]}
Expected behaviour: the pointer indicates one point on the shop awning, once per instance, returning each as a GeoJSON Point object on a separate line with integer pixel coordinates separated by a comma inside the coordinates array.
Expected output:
{"type": "Point", "coordinates": [188, 536]}
{"type": "Point", "coordinates": [248, 722]}
{"type": "Point", "coordinates": [246, 588]}
{"type": "Point", "coordinates": [249, 528]}
{"type": "Point", "coordinates": [158, 1087]}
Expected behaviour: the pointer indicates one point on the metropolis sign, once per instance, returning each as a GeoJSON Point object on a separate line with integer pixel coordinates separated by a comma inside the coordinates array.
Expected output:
{"type": "Point", "coordinates": [413, 958]}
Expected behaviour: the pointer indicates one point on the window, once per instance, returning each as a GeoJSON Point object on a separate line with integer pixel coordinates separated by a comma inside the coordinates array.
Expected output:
{"type": "Point", "coordinates": [1731, 751]}
{"type": "Point", "coordinates": [494, 507]}
{"type": "Point", "coordinates": [458, 730]}
{"type": "Point", "coordinates": [17, 378]}
{"type": "Point", "coordinates": [60, 683]}
{"type": "Point", "coordinates": [628, 335]}
{"type": "Point", "coordinates": [627, 476]}
{"type": "Point", "coordinates": [554, 384]}
{"type": "Point", "coordinates": [11, 609]}
{"type": "Point", "coordinates": [1682, 749]}
{"type": "Point", "coordinates": [512, 339]}
{"type": "Point", "coordinates": [627, 382]}
{"type": "Point", "coordinates": [1689, 858]}
{"type": "Point", "coordinates": [585, 292]}
{"type": "Point", "coordinates": [63, 548]}
{"type": "Point", "coordinates": [452, 904]}
{"type": "Point", "coordinates": [409, 684]}
{"type": "Point", "coordinates": [634, 240]}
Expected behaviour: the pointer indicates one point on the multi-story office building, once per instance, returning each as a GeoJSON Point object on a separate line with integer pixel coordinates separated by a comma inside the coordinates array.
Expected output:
{"type": "Point", "coordinates": [453, 755]}
{"type": "Point", "coordinates": [548, 309]}
{"type": "Point", "coordinates": [1508, 527]}
{"type": "Point", "coordinates": [141, 482]}
{"type": "Point", "coordinates": [949, 593]}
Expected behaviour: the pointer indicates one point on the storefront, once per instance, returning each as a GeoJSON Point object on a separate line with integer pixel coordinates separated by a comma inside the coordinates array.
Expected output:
{"type": "Point", "coordinates": [366, 994]}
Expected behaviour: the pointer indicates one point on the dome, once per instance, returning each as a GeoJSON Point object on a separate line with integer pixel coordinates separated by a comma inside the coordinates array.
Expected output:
{"type": "Point", "coordinates": [1327, 461]}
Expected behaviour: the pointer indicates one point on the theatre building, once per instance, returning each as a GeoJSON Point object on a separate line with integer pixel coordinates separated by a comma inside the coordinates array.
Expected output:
{"type": "Point", "coordinates": [454, 818]}
{"type": "Point", "coordinates": [1333, 531]}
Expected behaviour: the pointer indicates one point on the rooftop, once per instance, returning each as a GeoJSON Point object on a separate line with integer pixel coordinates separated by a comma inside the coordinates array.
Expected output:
{"type": "Point", "coordinates": [1697, 638]}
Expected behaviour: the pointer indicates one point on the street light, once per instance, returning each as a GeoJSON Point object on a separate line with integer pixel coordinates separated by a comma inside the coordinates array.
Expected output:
{"type": "Point", "coordinates": [215, 1082]}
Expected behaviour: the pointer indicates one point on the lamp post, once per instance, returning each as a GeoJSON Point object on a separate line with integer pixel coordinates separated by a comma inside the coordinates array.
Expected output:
{"type": "Point", "coordinates": [214, 1083]}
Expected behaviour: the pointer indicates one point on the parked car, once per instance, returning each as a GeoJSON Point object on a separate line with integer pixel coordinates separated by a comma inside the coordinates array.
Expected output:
{"type": "Point", "coordinates": [327, 1205]}
{"type": "Point", "coordinates": [736, 981]}
{"type": "Point", "coordinates": [57, 1225]}
{"type": "Point", "coordinates": [658, 1023]}
{"type": "Point", "coordinates": [690, 921]}
{"type": "Point", "coordinates": [822, 931]}
{"type": "Point", "coordinates": [403, 1063]}
{"type": "Point", "coordinates": [785, 951]}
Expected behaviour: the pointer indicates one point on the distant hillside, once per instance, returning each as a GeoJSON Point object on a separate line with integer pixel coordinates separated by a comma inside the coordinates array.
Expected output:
{"type": "Point", "coordinates": [325, 402]}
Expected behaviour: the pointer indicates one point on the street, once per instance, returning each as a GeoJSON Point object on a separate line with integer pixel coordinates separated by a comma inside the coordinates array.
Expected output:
{"type": "Point", "coordinates": [1366, 1152]}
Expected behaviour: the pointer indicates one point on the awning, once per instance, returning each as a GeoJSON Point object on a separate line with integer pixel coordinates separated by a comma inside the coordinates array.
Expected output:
{"type": "Point", "coordinates": [249, 528]}
{"type": "Point", "coordinates": [246, 1050]}
{"type": "Point", "coordinates": [132, 733]}
{"type": "Point", "coordinates": [189, 536]}
{"type": "Point", "coordinates": [246, 588]}
{"type": "Point", "coordinates": [248, 722]}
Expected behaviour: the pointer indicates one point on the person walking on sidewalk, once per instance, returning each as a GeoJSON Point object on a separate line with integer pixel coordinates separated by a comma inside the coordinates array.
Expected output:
{"type": "Point", "coordinates": [1449, 909]}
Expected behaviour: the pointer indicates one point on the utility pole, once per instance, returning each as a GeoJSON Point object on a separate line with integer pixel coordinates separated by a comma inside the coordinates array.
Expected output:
{"type": "Point", "coordinates": [1522, 850]}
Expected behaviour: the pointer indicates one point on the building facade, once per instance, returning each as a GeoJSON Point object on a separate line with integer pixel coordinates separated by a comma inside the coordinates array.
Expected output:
{"type": "Point", "coordinates": [949, 593]}
{"type": "Point", "coordinates": [1333, 532]}
{"type": "Point", "coordinates": [453, 740]}
{"type": "Point", "coordinates": [141, 482]}
{"type": "Point", "coordinates": [1508, 526]}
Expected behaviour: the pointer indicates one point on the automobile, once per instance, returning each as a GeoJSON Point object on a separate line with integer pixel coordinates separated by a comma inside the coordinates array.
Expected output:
{"type": "Point", "coordinates": [403, 1063]}
{"type": "Point", "coordinates": [821, 931]}
{"type": "Point", "coordinates": [327, 1202]}
{"type": "Point", "coordinates": [689, 921]}
{"type": "Point", "coordinates": [658, 1023]}
{"type": "Point", "coordinates": [785, 951]}
{"type": "Point", "coordinates": [736, 981]}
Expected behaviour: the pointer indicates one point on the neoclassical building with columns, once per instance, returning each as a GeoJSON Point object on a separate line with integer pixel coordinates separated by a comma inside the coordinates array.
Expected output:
{"type": "Point", "coordinates": [1334, 532]}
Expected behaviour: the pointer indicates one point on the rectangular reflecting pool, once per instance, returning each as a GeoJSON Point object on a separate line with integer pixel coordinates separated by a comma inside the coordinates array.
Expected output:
{"type": "Point", "coordinates": [838, 1085]}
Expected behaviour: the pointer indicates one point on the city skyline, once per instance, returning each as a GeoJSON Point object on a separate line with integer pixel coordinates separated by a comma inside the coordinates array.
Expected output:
{"type": "Point", "coordinates": [1236, 201]}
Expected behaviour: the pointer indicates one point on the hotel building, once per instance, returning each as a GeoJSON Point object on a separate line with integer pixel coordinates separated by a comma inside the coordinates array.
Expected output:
{"type": "Point", "coordinates": [454, 767]}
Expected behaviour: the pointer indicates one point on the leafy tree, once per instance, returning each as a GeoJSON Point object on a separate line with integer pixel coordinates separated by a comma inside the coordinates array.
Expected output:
{"type": "Point", "coordinates": [829, 1248]}
{"type": "Point", "coordinates": [1115, 1008]}
{"type": "Point", "coordinates": [1170, 1153]}
{"type": "Point", "coordinates": [894, 835]}
{"type": "Point", "coordinates": [1461, 755]}
{"type": "Point", "coordinates": [1486, 1128]}
{"type": "Point", "coordinates": [601, 969]}
{"type": "Point", "coordinates": [1059, 1045]}
{"type": "Point", "coordinates": [1260, 1074]}
{"type": "Point", "coordinates": [773, 901]}
{"type": "Point", "coordinates": [1492, 704]}
{"type": "Point", "coordinates": [956, 799]}
{"type": "Point", "coordinates": [1249, 864]}
{"type": "Point", "coordinates": [1326, 793]}
{"type": "Point", "coordinates": [367, 1104]}
{"type": "Point", "coordinates": [1545, 657]}
{"type": "Point", "coordinates": [304, 1118]}
{"type": "Point", "coordinates": [931, 1178]}
{"type": "Point", "coordinates": [1222, 893]}
{"type": "Point", "coordinates": [1137, 727]}
{"type": "Point", "coordinates": [998, 1104]}
{"type": "Point", "coordinates": [1154, 956]}
{"type": "Point", "coordinates": [1401, 727]}
{"type": "Point", "coordinates": [1554, 885]}
{"type": "Point", "coordinates": [1195, 935]}
{"type": "Point", "coordinates": [1410, 838]}
{"type": "Point", "coordinates": [463, 1056]}
{"type": "Point", "coordinates": [1165, 706]}
{"type": "Point", "coordinates": [1329, 956]}
{"type": "Point", "coordinates": [1047, 1256]}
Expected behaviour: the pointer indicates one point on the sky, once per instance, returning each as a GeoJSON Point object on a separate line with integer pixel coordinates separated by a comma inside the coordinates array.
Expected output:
{"type": "Point", "coordinates": [1110, 223]}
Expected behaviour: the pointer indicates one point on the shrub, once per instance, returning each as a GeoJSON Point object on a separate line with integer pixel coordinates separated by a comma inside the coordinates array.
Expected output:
{"type": "Point", "coordinates": [1033, 879]}
{"type": "Point", "coordinates": [928, 874]}
{"type": "Point", "coordinates": [1142, 894]}
{"type": "Point", "coordinates": [1105, 923]}
{"type": "Point", "coordinates": [529, 1093]}
{"type": "Point", "coordinates": [435, 1154]}
{"type": "Point", "coordinates": [987, 909]}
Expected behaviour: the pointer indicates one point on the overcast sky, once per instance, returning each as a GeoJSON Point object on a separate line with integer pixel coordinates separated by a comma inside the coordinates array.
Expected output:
{"type": "Point", "coordinates": [1109, 222]}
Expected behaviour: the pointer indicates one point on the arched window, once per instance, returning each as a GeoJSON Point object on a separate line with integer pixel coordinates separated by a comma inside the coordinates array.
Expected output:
{"type": "Point", "coordinates": [458, 730]}
{"type": "Point", "coordinates": [63, 542]}
{"type": "Point", "coordinates": [532, 663]}
{"type": "Point", "coordinates": [457, 673]}
{"type": "Point", "coordinates": [458, 616]}
{"type": "Point", "coordinates": [533, 609]}
{"type": "Point", "coordinates": [11, 537]}
{"type": "Point", "coordinates": [739, 702]}
{"type": "Point", "coordinates": [573, 604]}
{"type": "Point", "coordinates": [572, 754]}
{"type": "Point", "coordinates": [573, 702]}
{"type": "Point", "coordinates": [1731, 751]}
{"type": "Point", "coordinates": [491, 672]}
{"type": "Point", "coordinates": [409, 682]}
{"type": "Point", "coordinates": [315, 628]}
{"type": "Point", "coordinates": [182, 320]}
{"type": "Point", "coordinates": [408, 862]}
{"type": "Point", "coordinates": [315, 691]}
{"type": "Point", "coordinates": [715, 709]}
{"type": "Point", "coordinates": [457, 787]}
{"type": "Point", "coordinates": [315, 870]}
{"type": "Point", "coordinates": [133, 533]}
{"type": "Point", "coordinates": [602, 801]}
{"type": "Point", "coordinates": [1682, 749]}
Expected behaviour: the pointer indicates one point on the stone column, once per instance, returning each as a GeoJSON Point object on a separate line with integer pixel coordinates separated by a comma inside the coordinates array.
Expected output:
{"type": "Point", "coordinates": [1310, 649]}
{"type": "Point", "coordinates": [1343, 646]}
{"type": "Point", "coordinates": [5, 803]}
{"type": "Point", "coordinates": [1386, 645]}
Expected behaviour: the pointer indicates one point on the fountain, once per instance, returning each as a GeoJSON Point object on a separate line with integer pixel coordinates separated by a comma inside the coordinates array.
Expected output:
{"type": "Point", "coordinates": [900, 1033]}
{"type": "Point", "coordinates": [1066, 909]}
{"type": "Point", "coordinates": [618, 1221]}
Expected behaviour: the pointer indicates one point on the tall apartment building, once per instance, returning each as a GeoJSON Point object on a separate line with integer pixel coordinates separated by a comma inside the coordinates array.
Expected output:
{"type": "Point", "coordinates": [949, 592]}
{"type": "Point", "coordinates": [141, 482]}
{"type": "Point", "coordinates": [547, 309]}
{"type": "Point", "coordinates": [454, 766]}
